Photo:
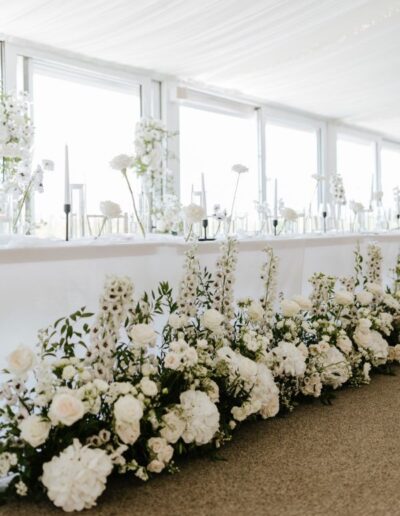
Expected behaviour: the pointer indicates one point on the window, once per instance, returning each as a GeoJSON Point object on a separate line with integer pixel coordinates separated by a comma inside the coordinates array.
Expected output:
{"type": "Point", "coordinates": [96, 117]}
{"type": "Point", "coordinates": [356, 163]}
{"type": "Point", "coordinates": [390, 166]}
{"type": "Point", "coordinates": [291, 159]}
{"type": "Point", "coordinates": [210, 143]}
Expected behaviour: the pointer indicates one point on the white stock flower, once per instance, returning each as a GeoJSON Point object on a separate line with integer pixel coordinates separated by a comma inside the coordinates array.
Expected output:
{"type": "Point", "coordinates": [364, 297]}
{"type": "Point", "coordinates": [34, 430]}
{"type": "Point", "coordinates": [289, 308]}
{"type": "Point", "coordinates": [66, 408]}
{"type": "Point", "coordinates": [121, 162]}
{"type": "Point", "coordinates": [143, 335]}
{"type": "Point", "coordinates": [344, 298]}
{"type": "Point", "coordinates": [110, 209]}
{"type": "Point", "coordinates": [212, 320]}
{"type": "Point", "coordinates": [172, 360]}
{"type": "Point", "coordinates": [303, 302]}
{"type": "Point", "coordinates": [255, 311]}
{"type": "Point", "coordinates": [201, 417]}
{"type": "Point", "coordinates": [77, 477]}
{"type": "Point", "coordinates": [194, 213]}
{"type": "Point", "coordinates": [21, 360]}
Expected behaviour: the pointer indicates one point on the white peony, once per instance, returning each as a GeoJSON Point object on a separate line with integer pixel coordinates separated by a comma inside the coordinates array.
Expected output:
{"type": "Point", "coordinates": [194, 213]}
{"type": "Point", "coordinates": [143, 335]}
{"type": "Point", "coordinates": [255, 311]}
{"type": "Point", "coordinates": [121, 162]}
{"type": "Point", "coordinates": [365, 298]}
{"type": "Point", "coordinates": [344, 298]}
{"type": "Point", "coordinates": [110, 209]}
{"type": "Point", "coordinates": [335, 368]}
{"type": "Point", "coordinates": [128, 409]}
{"type": "Point", "coordinates": [34, 430]}
{"type": "Point", "coordinates": [201, 417]}
{"type": "Point", "coordinates": [173, 426]}
{"type": "Point", "coordinates": [212, 320]}
{"type": "Point", "coordinates": [21, 360]}
{"type": "Point", "coordinates": [77, 477]}
{"type": "Point", "coordinates": [148, 387]}
{"type": "Point", "coordinates": [289, 308]}
{"type": "Point", "coordinates": [66, 408]}
{"type": "Point", "coordinates": [303, 302]}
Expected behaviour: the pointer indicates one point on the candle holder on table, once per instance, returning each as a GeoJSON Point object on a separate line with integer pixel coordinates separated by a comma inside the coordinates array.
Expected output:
{"type": "Point", "coordinates": [67, 211]}
{"type": "Point", "coordinates": [204, 224]}
{"type": "Point", "coordinates": [324, 215]}
{"type": "Point", "coordinates": [275, 225]}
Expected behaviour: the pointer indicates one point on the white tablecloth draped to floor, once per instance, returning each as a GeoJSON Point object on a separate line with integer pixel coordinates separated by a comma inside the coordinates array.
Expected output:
{"type": "Point", "coordinates": [41, 281]}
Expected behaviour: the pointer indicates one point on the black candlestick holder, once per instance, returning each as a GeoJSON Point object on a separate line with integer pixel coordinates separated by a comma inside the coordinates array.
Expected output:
{"type": "Point", "coordinates": [204, 223]}
{"type": "Point", "coordinates": [324, 215]}
{"type": "Point", "coordinates": [275, 225]}
{"type": "Point", "coordinates": [398, 220]}
{"type": "Point", "coordinates": [67, 211]}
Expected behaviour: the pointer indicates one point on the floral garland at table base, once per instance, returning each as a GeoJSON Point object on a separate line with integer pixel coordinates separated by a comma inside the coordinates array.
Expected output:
{"type": "Point", "coordinates": [115, 396]}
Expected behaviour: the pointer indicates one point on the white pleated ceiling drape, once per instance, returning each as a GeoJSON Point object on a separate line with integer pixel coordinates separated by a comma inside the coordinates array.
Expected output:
{"type": "Point", "coordinates": [337, 58]}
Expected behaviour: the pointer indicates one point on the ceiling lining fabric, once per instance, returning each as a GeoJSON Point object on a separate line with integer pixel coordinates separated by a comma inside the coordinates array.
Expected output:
{"type": "Point", "coordinates": [335, 58]}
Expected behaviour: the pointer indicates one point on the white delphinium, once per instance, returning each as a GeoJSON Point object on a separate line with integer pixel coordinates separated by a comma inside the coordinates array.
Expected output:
{"type": "Point", "coordinates": [201, 417]}
{"type": "Point", "coordinates": [269, 278]}
{"type": "Point", "coordinates": [189, 283]}
{"type": "Point", "coordinates": [224, 279]}
{"type": "Point", "coordinates": [77, 477]}
{"type": "Point", "coordinates": [337, 189]}
{"type": "Point", "coordinates": [374, 264]}
{"type": "Point", "coordinates": [323, 287]}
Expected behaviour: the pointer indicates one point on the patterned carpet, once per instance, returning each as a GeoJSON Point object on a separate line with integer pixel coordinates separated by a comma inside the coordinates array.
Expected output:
{"type": "Point", "coordinates": [340, 460]}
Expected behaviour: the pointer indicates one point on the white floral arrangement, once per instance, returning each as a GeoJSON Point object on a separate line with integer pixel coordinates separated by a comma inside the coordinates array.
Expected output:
{"type": "Point", "coordinates": [107, 394]}
{"type": "Point", "coordinates": [337, 189]}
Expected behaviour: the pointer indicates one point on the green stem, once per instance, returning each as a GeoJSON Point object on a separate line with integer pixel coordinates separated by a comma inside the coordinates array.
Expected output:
{"type": "Point", "coordinates": [21, 204]}
{"type": "Point", "coordinates": [233, 203]}
{"type": "Point", "coordinates": [134, 203]}
{"type": "Point", "coordinates": [102, 227]}
{"type": "Point", "coordinates": [190, 233]}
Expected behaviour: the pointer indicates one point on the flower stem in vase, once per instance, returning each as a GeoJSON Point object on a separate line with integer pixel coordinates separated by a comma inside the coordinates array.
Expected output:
{"type": "Point", "coordinates": [102, 227]}
{"type": "Point", "coordinates": [133, 202]}
{"type": "Point", "coordinates": [21, 205]}
{"type": "Point", "coordinates": [233, 203]}
{"type": "Point", "coordinates": [190, 233]}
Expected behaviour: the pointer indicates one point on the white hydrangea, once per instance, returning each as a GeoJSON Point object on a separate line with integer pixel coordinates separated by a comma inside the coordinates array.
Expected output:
{"type": "Point", "coordinates": [201, 417]}
{"type": "Point", "coordinates": [77, 477]}
{"type": "Point", "coordinates": [335, 368]}
{"type": "Point", "coordinates": [288, 360]}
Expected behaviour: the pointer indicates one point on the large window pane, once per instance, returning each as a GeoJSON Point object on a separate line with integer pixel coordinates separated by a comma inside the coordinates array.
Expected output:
{"type": "Point", "coordinates": [96, 118]}
{"type": "Point", "coordinates": [291, 159]}
{"type": "Point", "coordinates": [210, 143]}
{"type": "Point", "coordinates": [356, 162]}
{"type": "Point", "coordinates": [390, 176]}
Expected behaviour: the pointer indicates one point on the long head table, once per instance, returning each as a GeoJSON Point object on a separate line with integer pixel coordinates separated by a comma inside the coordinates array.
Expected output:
{"type": "Point", "coordinates": [43, 280]}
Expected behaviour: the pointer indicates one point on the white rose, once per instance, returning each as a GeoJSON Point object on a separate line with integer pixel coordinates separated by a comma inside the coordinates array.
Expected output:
{"type": "Point", "coordinates": [143, 335]}
{"type": "Point", "coordinates": [289, 308]}
{"type": "Point", "coordinates": [172, 361]}
{"type": "Point", "coordinates": [121, 162]}
{"type": "Point", "coordinates": [364, 297]}
{"type": "Point", "coordinates": [128, 432]}
{"type": "Point", "coordinates": [303, 302]}
{"type": "Point", "coordinates": [148, 387]}
{"type": "Point", "coordinates": [155, 466]}
{"type": "Point", "coordinates": [212, 320]}
{"type": "Point", "coordinates": [34, 430]}
{"type": "Point", "coordinates": [68, 372]}
{"type": "Point", "coordinates": [110, 209]}
{"type": "Point", "coordinates": [66, 409]}
{"type": "Point", "coordinates": [20, 361]}
{"type": "Point", "coordinates": [128, 409]}
{"type": "Point", "coordinates": [255, 311]}
{"type": "Point", "coordinates": [344, 298]}
{"type": "Point", "coordinates": [194, 213]}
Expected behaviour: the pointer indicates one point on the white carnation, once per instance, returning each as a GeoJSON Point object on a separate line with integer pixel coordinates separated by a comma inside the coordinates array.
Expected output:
{"type": "Point", "coordinates": [77, 477]}
{"type": "Point", "coordinates": [148, 387]}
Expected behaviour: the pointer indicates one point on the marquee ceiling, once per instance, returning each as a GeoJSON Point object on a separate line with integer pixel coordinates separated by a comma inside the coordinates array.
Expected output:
{"type": "Point", "coordinates": [336, 58]}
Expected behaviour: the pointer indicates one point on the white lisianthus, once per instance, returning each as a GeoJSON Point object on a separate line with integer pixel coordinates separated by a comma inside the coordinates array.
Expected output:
{"type": "Point", "coordinates": [172, 360]}
{"type": "Point", "coordinates": [148, 387]}
{"type": "Point", "coordinates": [143, 335]}
{"type": "Point", "coordinates": [121, 162]}
{"type": "Point", "coordinates": [255, 311]}
{"type": "Point", "coordinates": [173, 426]}
{"type": "Point", "coordinates": [194, 213]}
{"type": "Point", "coordinates": [34, 430]}
{"type": "Point", "coordinates": [303, 302]}
{"type": "Point", "coordinates": [160, 447]}
{"type": "Point", "coordinates": [66, 408]}
{"type": "Point", "coordinates": [364, 297]}
{"type": "Point", "coordinates": [344, 298]}
{"type": "Point", "coordinates": [212, 320]}
{"type": "Point", "coordinates": [128, 409]}
{"type": "Point", "coordinates": [77, 477]}
{"type": "Point", "coordinates": [155, 466]}
{"type": "Point", "coordinates": [21, 360]}
{"type": "Point", "coordinates": [289, 308]}
{"type": "Point", "coordinates": [201, 417]}
{"type": "Point", "coordinates": [110, 209]}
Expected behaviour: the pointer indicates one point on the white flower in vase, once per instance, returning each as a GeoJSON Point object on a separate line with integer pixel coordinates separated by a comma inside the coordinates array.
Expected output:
{"type": "Point", "coordinates": [193, 214]}
{"type": "Point", "coordinates": [289, 214]}
{"type": "Point", "coordinates": [110, 210]}
{"type": "Point", "coordinates": [121, 162]}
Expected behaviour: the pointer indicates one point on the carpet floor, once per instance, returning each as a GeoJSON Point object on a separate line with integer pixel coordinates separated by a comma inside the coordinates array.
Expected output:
{"type": "Point", "coordinates": [340, 460]}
